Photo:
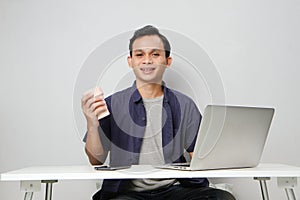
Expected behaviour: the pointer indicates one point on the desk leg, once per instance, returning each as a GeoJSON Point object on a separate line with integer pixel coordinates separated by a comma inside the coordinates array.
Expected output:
{"type": "Point", "coordinates": [288, 183]}
{"type": "Point", "coordinates": [29, 187]}
{"type": "Point", "coordinates": [28, 196]}
{"type": "Point", "coordinates": [290, 194]}
{"type": "Point", "coordinates": [263, 186]}
{"type": "Point", "coordinates": [49, 184]}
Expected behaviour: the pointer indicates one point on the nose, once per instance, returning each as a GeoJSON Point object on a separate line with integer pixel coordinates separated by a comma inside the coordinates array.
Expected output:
{"type": "Point", "coordinates": [147, 60]}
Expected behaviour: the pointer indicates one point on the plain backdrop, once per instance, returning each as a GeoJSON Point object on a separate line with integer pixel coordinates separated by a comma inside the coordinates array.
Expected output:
{"type": "Point", "coordinates": [44, 45]}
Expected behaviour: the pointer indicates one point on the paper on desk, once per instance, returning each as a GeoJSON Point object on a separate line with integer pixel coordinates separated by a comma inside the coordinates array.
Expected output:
{"type": "Point", "coordinates": [98, 92]}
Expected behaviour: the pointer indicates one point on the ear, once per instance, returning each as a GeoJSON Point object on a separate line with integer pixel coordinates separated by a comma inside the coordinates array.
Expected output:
{"type": "Point", "coordinates": [129, 61]}
{"type": "Point", "coordinates": [169, 61]}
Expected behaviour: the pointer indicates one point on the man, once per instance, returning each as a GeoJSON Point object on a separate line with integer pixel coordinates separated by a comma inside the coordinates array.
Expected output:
{"type": "Point", "coordinates": [148, 124]}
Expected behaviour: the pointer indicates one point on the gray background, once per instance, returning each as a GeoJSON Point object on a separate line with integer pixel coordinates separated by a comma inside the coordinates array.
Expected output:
{"type": "Point", "coordinates": [44, 44]}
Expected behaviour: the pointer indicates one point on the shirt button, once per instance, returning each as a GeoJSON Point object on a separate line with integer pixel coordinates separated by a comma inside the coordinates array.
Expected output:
{"type": "Point", "coordinates": [143, 118]}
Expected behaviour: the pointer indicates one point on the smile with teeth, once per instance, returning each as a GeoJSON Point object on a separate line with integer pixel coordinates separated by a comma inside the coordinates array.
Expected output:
{"type": "Point", "coordinates": [147, 70]}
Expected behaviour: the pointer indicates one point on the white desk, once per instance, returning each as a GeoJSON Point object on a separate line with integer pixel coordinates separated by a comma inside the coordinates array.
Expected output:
{"type": "Point", "coordinates": [32, 177]}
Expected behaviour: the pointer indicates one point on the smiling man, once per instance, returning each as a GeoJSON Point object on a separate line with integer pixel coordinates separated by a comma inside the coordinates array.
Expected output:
{"type": "Point", "coordinates": [148, 59]}
{"type": "Point", "coordinates": [149, 123]}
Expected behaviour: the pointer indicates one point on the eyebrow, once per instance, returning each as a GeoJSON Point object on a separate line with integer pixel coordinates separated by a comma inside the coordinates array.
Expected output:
{"type": "Point", "coordinates": [142, 49]}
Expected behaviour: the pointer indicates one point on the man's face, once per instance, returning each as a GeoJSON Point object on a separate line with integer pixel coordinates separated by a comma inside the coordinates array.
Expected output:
{"type": "Point", "coordinates": [148, 59]}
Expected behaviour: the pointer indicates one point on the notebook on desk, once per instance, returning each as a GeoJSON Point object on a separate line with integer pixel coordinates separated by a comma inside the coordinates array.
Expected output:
{"type": "Point", "coordinates": [229, 137]}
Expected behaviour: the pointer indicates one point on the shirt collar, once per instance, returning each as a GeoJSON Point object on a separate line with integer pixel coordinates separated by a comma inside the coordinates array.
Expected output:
{"type": "Point", "coordinates": [136, 96]}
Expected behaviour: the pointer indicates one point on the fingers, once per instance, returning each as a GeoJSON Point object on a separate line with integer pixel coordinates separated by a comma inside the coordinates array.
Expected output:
{"type": "Point", "coordinates": [97, 104]}
{"type": "Point", "coordinates": [93, 104]}
{"type": "Point", "coordinates": [86, 97]}
{"type": "Point", "coordinates": [100, 109]}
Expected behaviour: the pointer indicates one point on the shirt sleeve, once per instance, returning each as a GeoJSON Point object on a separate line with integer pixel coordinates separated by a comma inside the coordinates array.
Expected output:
{"type": "Point", "coordinates": [104, 132]}
{"type": "Point", "coordinates": [194, 120]}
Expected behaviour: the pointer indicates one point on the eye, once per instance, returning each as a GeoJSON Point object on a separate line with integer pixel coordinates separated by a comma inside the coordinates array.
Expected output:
{"type": "Point", "coordinates": [139, 54]}
{"type": "Point", "coordinates": [155, 54]}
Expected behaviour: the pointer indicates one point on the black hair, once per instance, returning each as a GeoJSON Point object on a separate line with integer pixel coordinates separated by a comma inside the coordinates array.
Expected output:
{"type": "Point", "coordinates": [150, 30]}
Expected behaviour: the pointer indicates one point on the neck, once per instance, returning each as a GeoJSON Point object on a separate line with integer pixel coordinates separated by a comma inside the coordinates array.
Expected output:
{"type": "Point", "coordinates": [150, 90]}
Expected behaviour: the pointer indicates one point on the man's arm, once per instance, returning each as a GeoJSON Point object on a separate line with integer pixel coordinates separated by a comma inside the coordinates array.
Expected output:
{"type": "Point", "coordinates": [194, 121]}
{"type": "Point", "coordinates": [93, 106]}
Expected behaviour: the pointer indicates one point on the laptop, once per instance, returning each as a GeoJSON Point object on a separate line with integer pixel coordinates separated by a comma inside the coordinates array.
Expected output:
{"type": "Point", "coordinates": [229, 137]}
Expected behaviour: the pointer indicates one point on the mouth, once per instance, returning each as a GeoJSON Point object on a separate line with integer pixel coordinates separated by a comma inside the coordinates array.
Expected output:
{"type": "Point", "coordinates": [147, 70]}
